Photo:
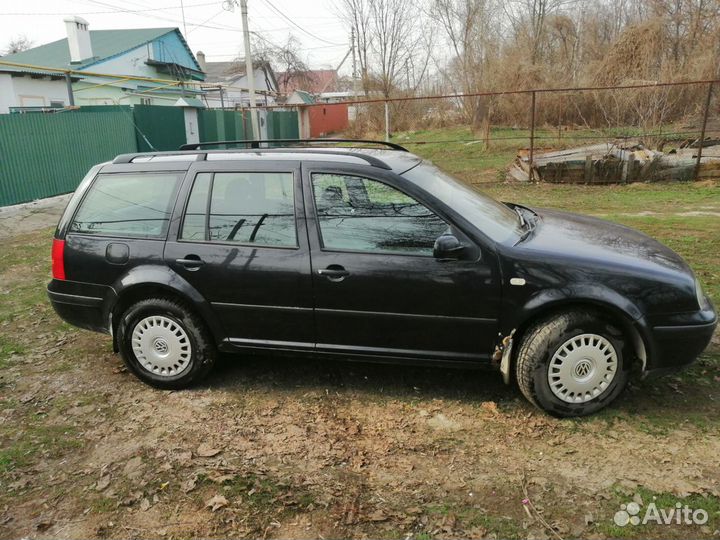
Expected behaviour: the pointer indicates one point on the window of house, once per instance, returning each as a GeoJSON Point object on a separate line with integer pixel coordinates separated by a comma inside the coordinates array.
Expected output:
{"type": "Point", "coordinates": [359, 214]}
{"type": "Point", "coordinates": [244, 207]}
{"type": "Point", "coordinates": [137, 205]}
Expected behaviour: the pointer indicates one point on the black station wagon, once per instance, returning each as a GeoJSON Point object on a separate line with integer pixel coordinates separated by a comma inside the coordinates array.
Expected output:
{"type": "Point", "coordinates": [365, 253]}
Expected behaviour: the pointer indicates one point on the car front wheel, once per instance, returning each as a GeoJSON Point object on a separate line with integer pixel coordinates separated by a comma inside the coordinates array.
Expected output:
{"type": "Point", "coordinates": [572, 364]}
{"type": "Point", "coordinates": [165, 344]}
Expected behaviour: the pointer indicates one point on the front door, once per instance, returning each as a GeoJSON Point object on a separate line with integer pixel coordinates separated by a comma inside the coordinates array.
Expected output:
{"type": "Point", "coordinates": [378, 289]}
{"type": "Point", "coordinates": [242, 244]}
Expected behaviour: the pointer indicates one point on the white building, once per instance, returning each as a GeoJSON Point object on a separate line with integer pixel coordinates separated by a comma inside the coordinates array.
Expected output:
{"type": "Point", "coordinates": [226, 83]}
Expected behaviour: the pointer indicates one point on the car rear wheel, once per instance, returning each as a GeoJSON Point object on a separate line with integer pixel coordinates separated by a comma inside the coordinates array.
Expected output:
{"type": "Point", "coordinates": [572, 364]}
{"type": "Point", "coordinates": [165, 344]}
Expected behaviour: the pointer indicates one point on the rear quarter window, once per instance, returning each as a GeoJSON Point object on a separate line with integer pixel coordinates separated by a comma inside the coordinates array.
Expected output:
{"type": "Point", "coordinates": [137, 205]}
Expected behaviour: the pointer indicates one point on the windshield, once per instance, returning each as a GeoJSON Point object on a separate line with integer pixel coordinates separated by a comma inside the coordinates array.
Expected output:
{"type": "Point", "coordinates": [491, 217]}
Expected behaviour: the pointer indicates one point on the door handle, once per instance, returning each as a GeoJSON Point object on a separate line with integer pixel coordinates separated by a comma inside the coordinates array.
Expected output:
{"type": "Point", "coordinates": [334, 272]}
{"type": "Point", "coordinates": [191, 262]}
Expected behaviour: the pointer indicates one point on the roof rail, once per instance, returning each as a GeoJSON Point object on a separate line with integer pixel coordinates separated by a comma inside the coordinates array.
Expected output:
{"type": "Point", "coordinates": [255, 143]}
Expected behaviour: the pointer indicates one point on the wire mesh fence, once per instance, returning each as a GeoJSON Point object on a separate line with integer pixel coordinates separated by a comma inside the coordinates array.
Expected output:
{"type": "Point", "coordinates": [622, 133]}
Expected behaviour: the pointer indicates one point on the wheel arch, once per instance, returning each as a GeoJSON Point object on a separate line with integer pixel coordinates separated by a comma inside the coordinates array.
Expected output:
{"type": "Point", "coordinates": [139, 285]}
{"type": "Point", "coordinates": [633, 329]}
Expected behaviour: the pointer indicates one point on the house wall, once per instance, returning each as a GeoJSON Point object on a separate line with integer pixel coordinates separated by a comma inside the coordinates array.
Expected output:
{"type": "Point", "coordinates": [7, 93]}
{"type": "Point", "coordinates": [233, 97]}
{"type": "Point", "coordinates": [108, 95]}
{"type": "Point", "coordinates": [130, 63]}
{"type": "Point", "coordinates": [25, 91]}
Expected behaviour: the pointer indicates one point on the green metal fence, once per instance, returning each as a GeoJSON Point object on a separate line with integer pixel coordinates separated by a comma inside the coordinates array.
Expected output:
{"type": "Point", "coordinates": [42, 155]}
{"type": "Point", "coordinates": [283, 125]}
{"type": "Point", "coordinates": [218, 125]}
{"type": "Point", "coordinates": [158, 127]}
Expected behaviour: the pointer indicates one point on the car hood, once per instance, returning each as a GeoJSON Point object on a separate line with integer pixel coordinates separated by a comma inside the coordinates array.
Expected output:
{"type": "Point", "coordinates": [574, 236]}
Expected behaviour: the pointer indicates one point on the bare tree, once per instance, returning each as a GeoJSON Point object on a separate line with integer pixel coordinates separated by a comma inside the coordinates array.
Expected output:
{"type": "Point", "coordinates": [291, 69]}
{"type": "Point", "coordinates": [17, 44]}
{"type": "Point", "coordinates": [470, 29]}
{"type": "Point", "coordinates": [356, 14]}
{"type": "Point", "coordinates": [392, 51]}
{"type": "Point", "coordinates": [529, 17]}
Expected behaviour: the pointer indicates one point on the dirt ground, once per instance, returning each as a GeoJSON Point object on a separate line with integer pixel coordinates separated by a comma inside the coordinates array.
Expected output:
{"type": "Point", "coordinates": [286, 448]}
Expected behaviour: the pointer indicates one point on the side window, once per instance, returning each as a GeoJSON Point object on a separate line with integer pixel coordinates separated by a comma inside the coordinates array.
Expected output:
{"type": "Point", "coordinates": [245, 207]}
{"type": "Point", "coordinates": [137, 205]}
{"type": "Point", "coordinates": [196, 211]}
{"type": "Point", "coordinates": [360, 214]}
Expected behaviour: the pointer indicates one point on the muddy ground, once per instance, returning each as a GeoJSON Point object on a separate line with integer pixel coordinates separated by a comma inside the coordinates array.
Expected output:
{"type": "Point", "coordinates": [286, 448]}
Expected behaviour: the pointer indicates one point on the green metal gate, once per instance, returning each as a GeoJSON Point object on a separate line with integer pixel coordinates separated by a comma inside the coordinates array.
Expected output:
{"type": "Point", "coordinates": [158, 127]}
{"type": "Point", "coordinates": [219, 125]}
{"type": "Point", "coordinates": [283, 125]}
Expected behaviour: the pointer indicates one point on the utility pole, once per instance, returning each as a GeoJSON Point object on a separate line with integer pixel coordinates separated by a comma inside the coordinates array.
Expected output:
{"type": "Point", "coordinates": [249, 69]}
{"type": "Point", "coordinates": [354, 65]}
{"type": "Point", "coordinates": [182, 10]}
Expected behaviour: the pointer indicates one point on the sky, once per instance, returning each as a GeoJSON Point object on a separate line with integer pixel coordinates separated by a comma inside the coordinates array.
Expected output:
{"type": "Point", "coordinates": [210, 27]}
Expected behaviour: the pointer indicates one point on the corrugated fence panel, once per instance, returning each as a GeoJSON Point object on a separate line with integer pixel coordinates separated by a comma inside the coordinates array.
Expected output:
{"type": "Point", "coordinates": [163, 127]}
{"type": "Point", "coordinates": [283, 125]}
{"type": "Point", "coordinates": [219, 125]}
{"type": "Point", "coordinates": [42, 155]}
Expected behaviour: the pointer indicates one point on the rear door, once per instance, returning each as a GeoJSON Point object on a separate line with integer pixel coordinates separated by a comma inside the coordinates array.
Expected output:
{"type": "Point", "coordinates": [378, 289]}
{"type": "Point", "coordinates": [241, 242]}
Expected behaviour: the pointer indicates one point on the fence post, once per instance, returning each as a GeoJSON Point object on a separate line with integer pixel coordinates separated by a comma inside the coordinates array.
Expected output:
{"type": "Point", "coordinates": [702, 131]}
{"type": "Point", "coordinates": [387, 122]}
{"type": "Point", "coordinates": [531, 176]}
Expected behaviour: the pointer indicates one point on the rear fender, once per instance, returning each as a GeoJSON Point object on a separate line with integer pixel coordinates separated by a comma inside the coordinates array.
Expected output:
{"type": "Point", "coordinates": [158, 280]}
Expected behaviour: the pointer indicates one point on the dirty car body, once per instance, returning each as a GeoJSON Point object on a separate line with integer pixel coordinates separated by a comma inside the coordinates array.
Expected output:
{"type": "Point", "coordinates": [365, 254]}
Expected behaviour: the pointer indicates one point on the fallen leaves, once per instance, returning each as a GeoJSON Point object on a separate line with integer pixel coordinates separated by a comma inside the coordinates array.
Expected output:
{"type": "Point", "coordinates": [216, 503]}
{"type": "Point", "coordinates": [188, 485]}
{"type": "Point", "coordinates": [134, 467]}
{"type": "Point", "coordinates": [206, 450]}
{"type": "Point", "coordinates": [103, 483]}
{"type": "Point", "coordinates": [378, 515]}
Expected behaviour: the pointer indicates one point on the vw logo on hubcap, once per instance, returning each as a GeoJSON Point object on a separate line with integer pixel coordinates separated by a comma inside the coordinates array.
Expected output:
{"type": "Point", "coordinates": [583, 368]}
{"type": "Point", "coordinates": [161, 346]}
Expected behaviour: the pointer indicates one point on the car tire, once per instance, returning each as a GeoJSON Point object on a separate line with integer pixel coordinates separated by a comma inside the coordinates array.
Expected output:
{"type": "Point", "coordinates": [572, 364]}
{"type": "Point", "coordinates": [165, 344]}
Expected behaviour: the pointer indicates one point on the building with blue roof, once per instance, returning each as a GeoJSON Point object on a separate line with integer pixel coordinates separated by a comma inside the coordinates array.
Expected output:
{"type": "Point", "coordinates": [153, 66]}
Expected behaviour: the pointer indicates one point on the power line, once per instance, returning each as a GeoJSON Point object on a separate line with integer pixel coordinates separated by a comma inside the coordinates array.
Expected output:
{"type": "Point", "coordinates": [58, 13]}
{"type": "Point", "coordinates": [139, 13]}
{"type": "Point", "coordinates": [276, 10]}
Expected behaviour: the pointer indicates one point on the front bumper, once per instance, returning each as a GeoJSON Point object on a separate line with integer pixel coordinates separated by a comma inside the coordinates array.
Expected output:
{"type": "Point", "coordinates": [676, 346]}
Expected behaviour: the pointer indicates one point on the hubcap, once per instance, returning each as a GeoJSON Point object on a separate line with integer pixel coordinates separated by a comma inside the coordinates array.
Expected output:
{"type": "Point", "coordinates": [161, 346]}
{"type": "Point", "coordinates": [582, 368]}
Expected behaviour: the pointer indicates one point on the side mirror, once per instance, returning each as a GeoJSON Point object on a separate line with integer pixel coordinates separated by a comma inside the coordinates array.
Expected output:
{"type": "Point", "coordinates": [447, 247]}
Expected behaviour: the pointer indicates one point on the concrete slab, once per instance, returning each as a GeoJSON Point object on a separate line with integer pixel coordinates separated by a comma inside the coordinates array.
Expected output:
{"type": "Point", "coordinates": [28, 217]}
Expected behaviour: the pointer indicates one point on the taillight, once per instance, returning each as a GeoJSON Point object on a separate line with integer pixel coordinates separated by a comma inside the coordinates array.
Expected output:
{"type": "Point", "coordinates": [58, 259]}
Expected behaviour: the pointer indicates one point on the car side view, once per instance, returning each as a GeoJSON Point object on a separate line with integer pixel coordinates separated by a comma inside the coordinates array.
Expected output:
{"type": "Point", "coordinates": [364, 252]}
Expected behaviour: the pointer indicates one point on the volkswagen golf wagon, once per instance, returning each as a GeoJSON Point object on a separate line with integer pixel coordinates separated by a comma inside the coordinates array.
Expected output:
{"type": "Point", "coordinates": [365, 252]}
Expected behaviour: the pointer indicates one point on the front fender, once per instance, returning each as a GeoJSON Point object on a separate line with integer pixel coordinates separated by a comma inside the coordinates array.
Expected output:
{"type": "Point", "coordinates": [544, 301]}
{"type": "Point", "coordinates": [580, 293]}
